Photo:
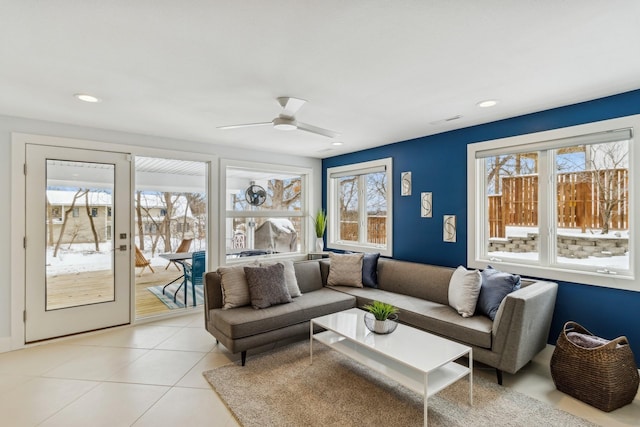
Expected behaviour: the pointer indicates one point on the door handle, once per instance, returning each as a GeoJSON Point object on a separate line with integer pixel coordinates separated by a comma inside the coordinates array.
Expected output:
{"type": "Point", "coordinates": [121, 248]}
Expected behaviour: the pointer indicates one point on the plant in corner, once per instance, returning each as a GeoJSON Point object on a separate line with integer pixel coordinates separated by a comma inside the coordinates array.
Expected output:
{"type": "Point", "coordinates": [381, 317]}
{"type": "Point", "coordinates": [320, 223]}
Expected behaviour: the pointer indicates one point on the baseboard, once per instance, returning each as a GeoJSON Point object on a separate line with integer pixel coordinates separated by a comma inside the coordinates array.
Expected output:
{"type": "Point", "coordinates": [5, 344]}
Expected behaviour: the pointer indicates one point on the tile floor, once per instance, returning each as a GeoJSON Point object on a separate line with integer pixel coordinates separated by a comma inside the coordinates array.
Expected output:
{"type": "Point", "coordinates": [151, 375]}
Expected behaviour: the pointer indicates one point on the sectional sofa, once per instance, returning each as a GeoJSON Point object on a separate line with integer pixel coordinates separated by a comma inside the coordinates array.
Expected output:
{"type": "Point", "coordinates": [421, 292]}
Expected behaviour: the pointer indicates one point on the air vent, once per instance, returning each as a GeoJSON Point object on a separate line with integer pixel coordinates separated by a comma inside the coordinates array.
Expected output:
{"type": "Point", "coordinates": [443, 121]}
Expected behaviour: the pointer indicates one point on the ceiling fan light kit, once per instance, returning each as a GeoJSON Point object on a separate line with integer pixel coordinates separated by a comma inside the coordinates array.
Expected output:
{"type": "Point", "coordinates": [282, 123]}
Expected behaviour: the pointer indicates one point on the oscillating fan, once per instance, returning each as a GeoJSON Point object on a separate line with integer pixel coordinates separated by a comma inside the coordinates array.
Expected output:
{"type": "Point", "coordinates": [255, 195]}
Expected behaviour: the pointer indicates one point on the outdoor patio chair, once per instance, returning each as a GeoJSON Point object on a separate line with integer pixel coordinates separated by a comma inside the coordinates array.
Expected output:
{"type": "Point", "coordinates": [194, 272]}
{"type": "Point", "coordinates": [141, 261]}
{"type": "Point", "coordinates": [185, 245]}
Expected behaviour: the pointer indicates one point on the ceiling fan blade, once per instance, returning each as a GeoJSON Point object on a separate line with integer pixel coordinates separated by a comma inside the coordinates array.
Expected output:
{"type": "Point", "coordinates": [246, 125]}
{"type": "Point", "coordinates": [290, 106]}
{"type": "Point", "coordinates": [319, 131]}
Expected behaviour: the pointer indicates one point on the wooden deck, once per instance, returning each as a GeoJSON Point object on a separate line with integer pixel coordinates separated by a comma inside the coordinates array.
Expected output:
{"type": "Point", "coordinates": [68, 290]}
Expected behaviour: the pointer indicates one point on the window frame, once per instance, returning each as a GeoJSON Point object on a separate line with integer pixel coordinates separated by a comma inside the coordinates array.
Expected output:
{"type": "Point", "coordinates": [333, 229]}
{"type": "Point", "coordinates": [305, 202]}
{"type": "Point", "coordinates": [545, 266]}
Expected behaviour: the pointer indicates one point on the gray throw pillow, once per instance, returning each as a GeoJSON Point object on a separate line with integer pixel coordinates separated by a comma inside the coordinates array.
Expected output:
{"type": "Point", "coordinates": [289, 277]}
{"type": "Point", "coordinates": [267, 286]}
{"type": "Point", "coordinates": [496, 285]}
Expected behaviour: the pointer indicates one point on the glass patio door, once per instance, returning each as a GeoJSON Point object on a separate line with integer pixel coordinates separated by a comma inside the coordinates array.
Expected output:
{"type": "Point", "coordinates": [78, 262]}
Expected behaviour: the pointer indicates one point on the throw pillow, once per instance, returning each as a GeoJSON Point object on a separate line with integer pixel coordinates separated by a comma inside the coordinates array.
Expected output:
{"type": "Point", "coordinates": [235, 289]}
{"type": "Point", "coordinates": [370, 270]}
{"type": "Point", "coordinates": [464, 288]}
{"type": "Point", "coordinates": [495, 286]}
{"type": "Point", "coordinates": [345, 270]}
{"type": "Point", "coordinates": [266, 285]}
{"type": "Point", "coordinates": [289, 277]}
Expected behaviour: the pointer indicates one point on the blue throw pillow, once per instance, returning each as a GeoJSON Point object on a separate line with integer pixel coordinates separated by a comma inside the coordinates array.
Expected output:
{"type": "Point", "coordinates": [495, 286]}
{"type": "Point", "coordinates": [370, 270]}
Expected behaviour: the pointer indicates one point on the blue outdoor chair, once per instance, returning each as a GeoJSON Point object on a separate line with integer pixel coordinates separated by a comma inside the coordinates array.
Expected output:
{"type": "Point", "coordinates": [194, 272]}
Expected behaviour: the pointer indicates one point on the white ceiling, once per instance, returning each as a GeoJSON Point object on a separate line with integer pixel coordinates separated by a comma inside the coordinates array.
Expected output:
{"type": "Point", "coordinates": [376, 71]}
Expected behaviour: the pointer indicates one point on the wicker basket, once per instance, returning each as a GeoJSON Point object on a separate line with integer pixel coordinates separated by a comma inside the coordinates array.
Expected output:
{"type": "Point", "coordinates": [605, 376]}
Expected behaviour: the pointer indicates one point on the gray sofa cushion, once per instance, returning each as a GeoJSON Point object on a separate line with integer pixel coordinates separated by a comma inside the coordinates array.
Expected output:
{"type": "Point", "coordinates": [423, 281]}
{"type": "Point", "coordinates": [430, 316]}
{"type": "Point", "coordinates": [245, 321]}
{"type": "Point", "coordinates": [308, 275]}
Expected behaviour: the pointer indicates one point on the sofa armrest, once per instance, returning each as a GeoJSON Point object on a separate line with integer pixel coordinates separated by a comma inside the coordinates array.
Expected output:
{"type": "Point", "coordinates": [522, 323]}
{"type": "Point", "coordinates": [212, 293]}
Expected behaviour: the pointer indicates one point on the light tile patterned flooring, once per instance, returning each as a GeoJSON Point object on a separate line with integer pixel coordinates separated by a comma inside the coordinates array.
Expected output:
{"type": "Point", "coordinates": [151, 375]}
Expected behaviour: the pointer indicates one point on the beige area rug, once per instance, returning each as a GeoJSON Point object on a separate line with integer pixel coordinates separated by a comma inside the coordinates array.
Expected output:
{"type": "Point", "coordinates": [280, 388]}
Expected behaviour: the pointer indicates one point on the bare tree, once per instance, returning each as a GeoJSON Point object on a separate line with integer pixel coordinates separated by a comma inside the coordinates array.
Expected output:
{"type": "Point", "coordinates": [67, 213]}
{"type": "Point", "coordinates": [283, 193]}
{"type": "Point", "coordinates": [139, 218]}
{"type": "Point", "coordinates": [608, 162]}
{"type": "Point", "coordinates": [91, 222]}
{"type": "Point", "coordinates": [509, 165]}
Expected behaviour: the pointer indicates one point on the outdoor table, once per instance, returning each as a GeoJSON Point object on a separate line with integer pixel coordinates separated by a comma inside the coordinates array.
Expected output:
{"type": "Point", "coordinates": [181, 258]}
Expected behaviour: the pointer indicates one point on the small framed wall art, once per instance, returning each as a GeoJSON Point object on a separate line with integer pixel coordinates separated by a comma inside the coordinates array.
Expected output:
{"type": "Point", "coordinates": [405, 182]}
{"type": "Point", "coordinates": [426, 207]}
{"type": "Point", "coordinates": [449, 228]}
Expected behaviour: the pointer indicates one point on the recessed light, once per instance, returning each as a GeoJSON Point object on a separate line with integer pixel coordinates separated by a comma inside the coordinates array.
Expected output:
{"type": "Point", "coordinates": [487, 103]}
{"type": "Point", "coordinates": [336, 143]}
{"type": "Point", "coordinates": [87, 98]}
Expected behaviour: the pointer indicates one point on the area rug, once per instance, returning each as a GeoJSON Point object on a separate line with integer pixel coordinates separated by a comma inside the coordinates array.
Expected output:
{"type": "Point", "coordinates": [167, 298]}
{"type": "Point", "coordinates": [280, 388]}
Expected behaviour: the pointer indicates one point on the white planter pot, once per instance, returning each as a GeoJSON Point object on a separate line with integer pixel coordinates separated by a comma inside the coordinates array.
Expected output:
{"type": "Point", "coordinates": [319, 244]}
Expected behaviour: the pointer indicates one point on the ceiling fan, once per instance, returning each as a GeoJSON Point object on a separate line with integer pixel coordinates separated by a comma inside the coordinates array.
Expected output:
{"type": "Point", "coordinates": [287, 120]}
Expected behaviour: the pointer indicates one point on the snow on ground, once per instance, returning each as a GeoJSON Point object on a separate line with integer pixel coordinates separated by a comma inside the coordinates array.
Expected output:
{"type": "Point", "coordinates": [523, 231]}
{"type": "Point", "coordinates": [614, 262]}
{"type": "Point", "coordinates": [82, 257]}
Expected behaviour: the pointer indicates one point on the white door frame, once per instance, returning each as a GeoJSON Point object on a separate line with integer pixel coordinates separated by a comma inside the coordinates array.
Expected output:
{"type": "Point", "coordinates": [18, 183]}
{"type": "Point", "coordinates": [42, 323]}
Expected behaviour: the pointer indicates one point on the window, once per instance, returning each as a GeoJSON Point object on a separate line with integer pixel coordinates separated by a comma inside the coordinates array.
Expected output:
{"type": "Point", "coordinates": [359, 197]}
{"type": "Point", "coordinates": [94, 212]}
{"type": "Point", "coordinates": [75, 213]}
{"type": "Point", "coordinates": [266, 209]}
{"type": "Point", "coordinates": [558, 204]}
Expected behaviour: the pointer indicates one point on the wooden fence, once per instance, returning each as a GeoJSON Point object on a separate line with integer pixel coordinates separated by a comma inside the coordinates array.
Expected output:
{"type": "Point", "coordinates": [583, 199]}
{"type": "Point", "coordinates": [376, 230]}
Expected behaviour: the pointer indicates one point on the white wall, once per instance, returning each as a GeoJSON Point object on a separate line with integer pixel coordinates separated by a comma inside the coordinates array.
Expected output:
{"type": "Point", "coordinates": [9, 125]}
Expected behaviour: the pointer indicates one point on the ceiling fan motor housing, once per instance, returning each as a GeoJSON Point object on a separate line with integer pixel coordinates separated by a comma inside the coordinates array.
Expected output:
{"type": "Point", "coordinates": [283, 123]}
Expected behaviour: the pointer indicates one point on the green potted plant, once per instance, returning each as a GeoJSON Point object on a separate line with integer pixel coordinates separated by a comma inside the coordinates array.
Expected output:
{"type": "Point", "coordinates": [381, 317]}
{"type": "Point", "coordinates": [320, 223]}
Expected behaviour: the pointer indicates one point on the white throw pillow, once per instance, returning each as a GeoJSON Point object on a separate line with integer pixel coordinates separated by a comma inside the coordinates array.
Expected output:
{"type": "Point", "coordinates": [464, 289]}
{"type": "Point", "coordinates": [289, 276]}
{"type": "Point", "coordinates": [345, 270]}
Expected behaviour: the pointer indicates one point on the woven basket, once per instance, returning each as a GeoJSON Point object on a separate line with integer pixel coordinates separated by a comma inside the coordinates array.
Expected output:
{"type": "Point", "coordinates": [605, 376]}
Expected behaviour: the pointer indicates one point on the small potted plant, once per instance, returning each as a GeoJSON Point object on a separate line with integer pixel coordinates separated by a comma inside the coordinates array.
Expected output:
{"type": "Point", "coordinates": [320, 223]}
{"type": "Point", "coordinates": [382, 318]}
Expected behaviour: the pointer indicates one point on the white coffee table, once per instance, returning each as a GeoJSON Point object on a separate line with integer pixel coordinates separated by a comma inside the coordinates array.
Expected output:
{"type": "Point", "coordinates": [420, 361]}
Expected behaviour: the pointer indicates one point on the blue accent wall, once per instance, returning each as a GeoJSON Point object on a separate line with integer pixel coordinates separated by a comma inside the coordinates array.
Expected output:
{"type": "Point", "coordinates": [438, 163]}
